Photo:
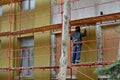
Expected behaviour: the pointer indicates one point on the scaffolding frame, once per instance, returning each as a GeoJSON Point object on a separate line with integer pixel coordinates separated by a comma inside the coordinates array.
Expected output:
{"type": "Point", "coordinates": [84, 21]}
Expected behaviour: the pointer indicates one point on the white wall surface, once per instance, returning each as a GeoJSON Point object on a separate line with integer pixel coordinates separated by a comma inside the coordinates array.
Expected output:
{"type": "Point", "coordinates": [107, 6]}
{"type": "Point", "coordinates": [85, 8]}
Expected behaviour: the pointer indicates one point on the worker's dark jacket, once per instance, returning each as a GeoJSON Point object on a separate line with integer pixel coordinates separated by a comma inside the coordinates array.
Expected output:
{"type": "Point", "coordinates": [77, 37]}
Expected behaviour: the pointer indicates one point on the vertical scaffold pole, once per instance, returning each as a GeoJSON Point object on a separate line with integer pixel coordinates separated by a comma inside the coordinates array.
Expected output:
{"type": "Point", "coordinates": [99, 45]}
{"type": "Point", "coordinates": [65, 40]}
{"type": "Point", "coordinates": [10, 41]}
{"type": "Point", "coordinates": [70, 45]}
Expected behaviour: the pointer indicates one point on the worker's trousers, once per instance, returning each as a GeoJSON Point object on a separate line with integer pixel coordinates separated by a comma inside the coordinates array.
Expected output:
{"type": "Point", "coordinates": [76, 53]}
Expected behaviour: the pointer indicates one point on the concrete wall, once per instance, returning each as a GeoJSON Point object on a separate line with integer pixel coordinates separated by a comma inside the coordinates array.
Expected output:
{"type": "Point", "coordinates": [107, 6]}
{"type": "Point", "coordinates": [86, 55]}
{"type": "Point", "coordinates": [29, 19]}
{"type": "Point", "coordinates": [4, 26]}
{"type": "Point", "coordinates": [86, 8]}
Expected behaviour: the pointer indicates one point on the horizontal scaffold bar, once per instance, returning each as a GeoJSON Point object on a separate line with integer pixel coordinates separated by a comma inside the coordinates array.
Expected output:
{"type": "Point", "coordinates": [85, 64]}
{"type": "Point", "coordinates": [84, 21]}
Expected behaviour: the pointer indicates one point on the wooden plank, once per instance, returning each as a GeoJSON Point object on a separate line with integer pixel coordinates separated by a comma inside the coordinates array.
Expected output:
{"type": "Point", "coordinates": [85, 64]}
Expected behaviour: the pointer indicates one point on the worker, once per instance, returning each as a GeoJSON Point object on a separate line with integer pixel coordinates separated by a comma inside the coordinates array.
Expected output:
{"type": "Point", "coordinates": [76, 38]}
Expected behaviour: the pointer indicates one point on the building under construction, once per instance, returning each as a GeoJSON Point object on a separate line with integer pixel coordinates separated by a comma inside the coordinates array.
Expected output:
{"type": "Point", "coordinates": [31, 33]}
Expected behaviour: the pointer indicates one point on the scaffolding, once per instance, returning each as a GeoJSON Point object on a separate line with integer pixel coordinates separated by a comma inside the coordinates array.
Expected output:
{"type": "Point", "coordinates": [85, 21]}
